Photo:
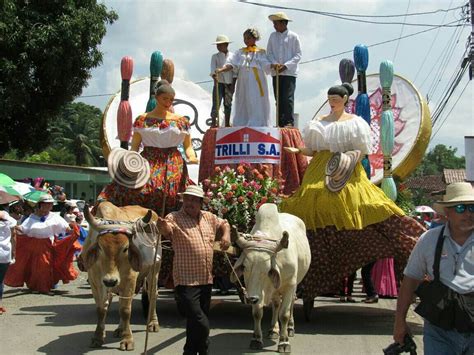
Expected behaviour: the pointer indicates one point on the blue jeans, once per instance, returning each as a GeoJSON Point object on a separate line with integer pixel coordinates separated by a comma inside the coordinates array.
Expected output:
{"type": "Point", "coordinates": [437, 341]}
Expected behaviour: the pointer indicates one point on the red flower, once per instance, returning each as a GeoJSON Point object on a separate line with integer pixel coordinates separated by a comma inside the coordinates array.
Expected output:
{"type": "Point", "coordinates": [259, 176]}
{"type": "Point", "coordinates": [233, 187]}
{"type": "Point", "coordinates": [241, 199]}
{"type": "Point", "coordinates": [240, 170]}
{"type": "Point", "coordinates": [250, 194]}
{"type": "Point", "coordinates": [217, 170]}
{"type": "Point", "coordinates": [229, 195]}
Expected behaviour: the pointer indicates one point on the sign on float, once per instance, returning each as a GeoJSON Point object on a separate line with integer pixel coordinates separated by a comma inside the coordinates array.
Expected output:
{"type": "Point", "coordinates": [235, 145]}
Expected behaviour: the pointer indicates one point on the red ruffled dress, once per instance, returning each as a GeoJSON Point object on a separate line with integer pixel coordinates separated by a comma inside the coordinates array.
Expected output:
{"type": "Point", "coordinates": [41, 259]}
{"type": "Point", "coordinates": [168, 171]}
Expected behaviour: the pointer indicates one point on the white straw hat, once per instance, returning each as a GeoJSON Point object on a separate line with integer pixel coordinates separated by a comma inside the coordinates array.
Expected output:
{"type": "Point", "coordinates": [222, 39]}
{"type": "Point", "coordinates": [128, 168]}
{"type": "Point", "coordinates": [339, 169]}
{"type": "Point", "coordinates": [456, 193]}
{"type": "Point", "coordinates": [279, 16]}
{"type": "Point", "coordinates": [46, 198]}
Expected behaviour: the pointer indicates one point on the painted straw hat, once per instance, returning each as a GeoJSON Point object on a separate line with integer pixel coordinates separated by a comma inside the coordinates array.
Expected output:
{"type": "Point", "coordinates": [128, 168]}
{"type": "Point", "coordinates": [278, 16]}
{"type": "Point", "coordinates": [456, 193]}
{"type": "Point", "coordinates": [222, 39]}
{"type": "Point", "coordinates": [339, 169]}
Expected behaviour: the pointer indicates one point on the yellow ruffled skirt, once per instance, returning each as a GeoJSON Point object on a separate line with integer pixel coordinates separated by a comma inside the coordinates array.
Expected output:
{"type": "Point", "coordinates": [359, 204]}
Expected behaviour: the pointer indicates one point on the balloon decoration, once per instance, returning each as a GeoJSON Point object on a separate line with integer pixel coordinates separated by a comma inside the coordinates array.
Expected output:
{"type": "Point", "coordinates": [124, 112]}
{"type": "Point", "coordinates": [167, 72]}
{"type": "Point", "coordinates": [156, 65]}
{"type": "Point", "coordinates": [361, 60]}
{"type": "Point", "coordinates": [346, 70]}
{"type": "Point", "coordinates": [387, 133]}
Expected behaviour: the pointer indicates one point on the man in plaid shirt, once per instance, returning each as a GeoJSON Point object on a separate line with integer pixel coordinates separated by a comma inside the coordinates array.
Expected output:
{"type": "Point", "coordinates": [192, 233]}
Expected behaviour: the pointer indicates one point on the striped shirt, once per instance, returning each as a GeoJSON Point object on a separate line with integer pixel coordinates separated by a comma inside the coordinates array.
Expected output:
{"type": "Point", "coordinates": [193, 247]}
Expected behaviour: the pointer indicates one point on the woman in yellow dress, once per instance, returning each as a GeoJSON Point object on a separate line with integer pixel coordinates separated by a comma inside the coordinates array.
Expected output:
{"type": "Point", "coordinates": [355, 225]}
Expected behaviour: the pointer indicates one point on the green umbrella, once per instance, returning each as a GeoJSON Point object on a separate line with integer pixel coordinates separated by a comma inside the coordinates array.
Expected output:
{"type": "Point", "coordinates": [34, 196]}
{"type": "Point", "coordinates": [10, 190]}
{"type": "Point", "coordinates": [6, 180]}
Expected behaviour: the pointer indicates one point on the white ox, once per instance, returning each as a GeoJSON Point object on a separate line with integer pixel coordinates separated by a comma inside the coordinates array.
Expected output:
{"type": "Point", "coordinates": [116, 263]}
{"type": "Point", "coordinates": [275, 258]}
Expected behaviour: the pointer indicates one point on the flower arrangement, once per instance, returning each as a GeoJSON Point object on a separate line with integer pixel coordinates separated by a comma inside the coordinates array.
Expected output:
{"type": "Point", "coordinates": [237, 194]}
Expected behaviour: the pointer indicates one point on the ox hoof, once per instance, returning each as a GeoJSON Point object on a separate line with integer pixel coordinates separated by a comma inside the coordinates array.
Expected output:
{"type": "Point", "coordinates": [256, 344]}
{"type": "Point", "coordinates": [96, 343]}
{"type": "Point", "coordinates": [127, 344]}
{"type": "Point", "coordinates": [118, 333]}
{"type": "Point", "coordinates": [291, 332]}
{"type": "Point", "coordinates": [273, 335]}
{"type": "Point", "coordinates": [284, 348]}
{"type": "Point", "coordinates": [154, 327]}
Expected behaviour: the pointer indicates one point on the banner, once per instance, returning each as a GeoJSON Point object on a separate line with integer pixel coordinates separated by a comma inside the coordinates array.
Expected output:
{"type": "Point", "coordinates": [235, 145]}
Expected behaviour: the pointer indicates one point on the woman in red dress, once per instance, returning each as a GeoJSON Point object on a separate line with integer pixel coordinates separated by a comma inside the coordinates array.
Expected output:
{"type": "Point", "coordinates": [41, 259]}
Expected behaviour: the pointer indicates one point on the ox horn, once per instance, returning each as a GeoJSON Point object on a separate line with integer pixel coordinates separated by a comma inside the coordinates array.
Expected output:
{"type": "Point", "coordinates": [147, 218]}
{"type": "Point", "coordinates": [93, 222]}
{"type": "Point", "coordinates": [283, 244]}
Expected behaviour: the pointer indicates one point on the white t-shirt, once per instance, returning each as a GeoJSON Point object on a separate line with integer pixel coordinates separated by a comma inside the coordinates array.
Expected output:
{"type": "Point", "coordinates": [5, 238]}
{"type": "Point", "coordinates": [44, 227]}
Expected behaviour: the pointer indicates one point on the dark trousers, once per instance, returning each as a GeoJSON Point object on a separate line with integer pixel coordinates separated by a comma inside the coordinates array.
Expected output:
{"type": "Point", "coordinates": [349, 284]}
{"type": "Point", "coordinates": [366, 274]}
{"type": "Point", "coordinates": [225, 94]}
{"type": "Point", "coordinates": [286, 102]}
{"type": "Point", "coordinates": [3, 272]}
{"type": "Point", "coordinates": [193, 302]}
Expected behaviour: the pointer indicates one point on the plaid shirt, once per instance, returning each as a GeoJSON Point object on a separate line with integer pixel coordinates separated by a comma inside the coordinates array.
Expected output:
{"type": "Point", "coordinates": [193, 247]}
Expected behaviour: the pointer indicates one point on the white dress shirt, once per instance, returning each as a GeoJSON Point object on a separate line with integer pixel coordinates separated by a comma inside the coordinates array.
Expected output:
{"type": "Point", "coordinates": [285, 48]}
{"type": "Point", "coordinates": [218, 60]}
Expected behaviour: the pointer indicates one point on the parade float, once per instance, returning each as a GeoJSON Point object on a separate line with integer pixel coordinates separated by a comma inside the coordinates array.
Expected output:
{"type": "Point", "coordinates": [242, 167]}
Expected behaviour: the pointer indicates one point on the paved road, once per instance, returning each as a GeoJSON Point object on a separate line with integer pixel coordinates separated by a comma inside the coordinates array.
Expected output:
{"type": "Point", "coordinates": [64, 323]}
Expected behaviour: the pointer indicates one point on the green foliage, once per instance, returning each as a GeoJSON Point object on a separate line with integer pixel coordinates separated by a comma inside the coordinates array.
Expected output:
{"type": "Point", "coordinates": [76, 130]}
{"type": "Point", "coordinates": [439, 158]}
{"type": "Point", "coordinates": [75, 138]}
{"type": "Point", "coordinates": [48, 51]}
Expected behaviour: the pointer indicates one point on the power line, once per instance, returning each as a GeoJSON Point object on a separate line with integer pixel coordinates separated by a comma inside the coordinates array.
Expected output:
{"type": "Point", "coordinates": [345, 17]}
{"type": "Point", "coordinates": [449, 113]}
{"type": "Point", "coordinates": [400, 35]}
{"type": "Point", "coordinates": [431, 46]}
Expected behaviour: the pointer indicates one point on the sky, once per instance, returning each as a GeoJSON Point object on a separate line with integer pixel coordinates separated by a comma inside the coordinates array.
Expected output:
{"type": "Point", "coordinates": [183, 31]}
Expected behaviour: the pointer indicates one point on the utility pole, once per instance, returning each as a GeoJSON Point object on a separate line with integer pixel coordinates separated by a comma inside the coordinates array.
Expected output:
{"type": "Point", "coordinates": [471, 49]}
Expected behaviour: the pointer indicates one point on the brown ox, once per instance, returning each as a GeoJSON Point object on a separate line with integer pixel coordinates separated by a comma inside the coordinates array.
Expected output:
{"type": "Point", "coordinates": [114, 263]}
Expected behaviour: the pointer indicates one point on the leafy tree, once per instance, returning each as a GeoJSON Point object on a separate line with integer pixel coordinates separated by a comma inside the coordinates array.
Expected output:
{"type": "Point", "coordinates": [439, 158]}
{"type": "Point", "coordinates": [48, 51]}
{"type": "Point", "coordinates": [76, 131]}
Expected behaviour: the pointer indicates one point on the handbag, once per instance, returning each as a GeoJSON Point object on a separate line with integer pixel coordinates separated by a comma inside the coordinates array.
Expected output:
{"type": "Point", "coordinates": [442, 306]}
{"type": "Point", "coordinates": [436, 304]}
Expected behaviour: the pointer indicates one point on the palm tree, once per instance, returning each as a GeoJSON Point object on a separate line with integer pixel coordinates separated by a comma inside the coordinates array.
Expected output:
{"type": "Point", "coordinates": [76, 130]}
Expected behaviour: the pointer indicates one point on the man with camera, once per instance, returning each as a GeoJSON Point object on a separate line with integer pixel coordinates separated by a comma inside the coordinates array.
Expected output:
{"type": "Point", "coordinates": [440, 271]}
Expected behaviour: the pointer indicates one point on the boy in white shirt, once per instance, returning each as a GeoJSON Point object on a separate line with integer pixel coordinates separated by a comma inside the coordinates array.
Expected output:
{"type": "Point", "coordinates": [223, 82]}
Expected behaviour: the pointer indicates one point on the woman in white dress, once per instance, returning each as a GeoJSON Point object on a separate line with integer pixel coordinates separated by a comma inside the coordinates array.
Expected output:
{"type": "Point", "coordinates": [251, 101]}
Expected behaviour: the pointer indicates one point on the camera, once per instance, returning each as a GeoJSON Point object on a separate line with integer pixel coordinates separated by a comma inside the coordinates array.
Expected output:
{"type": "Point", "coordinates": [409, 346]}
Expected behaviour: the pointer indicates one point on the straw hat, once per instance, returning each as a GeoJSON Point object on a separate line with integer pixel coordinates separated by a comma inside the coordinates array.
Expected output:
{"type": "Point", "coordinates": [128, 168]}
{"type": "Point", "coordinates": [222, 39]}
{"type": "Point", "coordinates": [7, 198]}
{"type": "Point", "coordinates": [46, 198]}
{"type": "Point", "coordinates": [456, 193]}
{"type": "Point", "coordinates": [194, 190]}
{"type": "Point", "coordinates": [278, 16]}
{"type": "Point", "coordinates": [339, 169]}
